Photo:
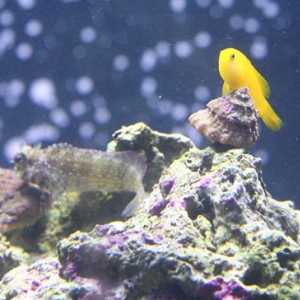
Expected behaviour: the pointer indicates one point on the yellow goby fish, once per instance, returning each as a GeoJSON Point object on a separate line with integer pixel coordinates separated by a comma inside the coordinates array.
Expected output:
{"type": "Point", "coordinates": [237, 71]}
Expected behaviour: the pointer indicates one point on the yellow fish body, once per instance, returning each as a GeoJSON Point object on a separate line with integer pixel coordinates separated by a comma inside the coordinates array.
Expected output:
{"type": "Point", "coordinates": [237, 71]}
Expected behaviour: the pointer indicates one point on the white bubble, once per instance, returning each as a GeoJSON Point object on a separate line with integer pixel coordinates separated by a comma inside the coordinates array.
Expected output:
{"type": "Point", "coordinates": [16, 87]}
{"type": "Point", "coordinates": [164, 107]}
{"type": "Point", "coordinates": [177, 6]}
{"type": "Point", "coordinates": [183, 49]}
{"type": "Point", "coordinates": [202, 93]}
{"type": "Point", "coordinates": [236, 22]}
{"type": "Point", "coordinates": [260, 3]}
{"type": "Point", "coordinates": [148, 60]}
{"type": "Point", "coordinates": [43, 93]}
{"type": "Point", "coordinates": [271, 10]}
{"type": "Point", "coordinates": [84, 85]}
{"type": "Point", "coordinates": [121, 63]}
{"type": "Point", "coordinates": [78, 108]}
{"type": "Point", "coordinates": [203, 39]}
{"type": "Point", "coordinates": [86, 130]}
{"type": "Point", "coordinates": [13, 146]}
{"type": "Point", "coordinates": [259, 48]}
{"type": "Point", "coordinates": [7, 40]}
{"type": "Point", "coordinates": [41, 132]}
{"type": "Point", "coordinates": [88, 35]}
{"type": "Point", "coordinates": [203, 3]}
{"type": "Point", "coordinates": [148, 86]}
{"type": "Point", "coordinates": [33, 28]}
{"type": "Point", "coordinates": [102, 115]}
{"type": "Point", "coordinates": [24, 51]}
{"type": "Point", "coordinates": [226, 3]}
{"type": "Point", "coordinates": [251, 25]}
{"type": "Point", "coordinates": [59, 117]}
{"type": "Point", "coordinates": [26, 4]}
{"type": "Point", "coordinates": [163, 49]}
{"type": "Point", "coordinates": [263, 154]}
{"type": "Point", "coordinates": [12, 92]}
{"type": "Point", "coordinates": [7, 18]}
{"type": "Point", "coordinates": [179, 112]}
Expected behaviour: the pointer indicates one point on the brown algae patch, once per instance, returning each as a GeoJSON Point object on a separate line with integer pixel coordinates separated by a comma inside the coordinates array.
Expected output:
{"type": "Point", "coordinates": [63, 168]}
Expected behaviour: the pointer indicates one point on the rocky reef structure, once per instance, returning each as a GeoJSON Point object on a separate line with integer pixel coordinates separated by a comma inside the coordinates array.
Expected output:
{"type": "Point", "coordinates": [208, 229]}
{"type": "Point", "coordinates": [230, 119]}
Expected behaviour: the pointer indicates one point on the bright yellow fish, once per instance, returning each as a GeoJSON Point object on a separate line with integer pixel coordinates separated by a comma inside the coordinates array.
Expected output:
{"type": "Point", "coordinates": [237, 71]}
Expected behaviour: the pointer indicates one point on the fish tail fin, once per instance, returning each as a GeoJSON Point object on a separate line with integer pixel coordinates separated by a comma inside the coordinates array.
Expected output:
{"type": "Point", "coordinates": [270, 117]}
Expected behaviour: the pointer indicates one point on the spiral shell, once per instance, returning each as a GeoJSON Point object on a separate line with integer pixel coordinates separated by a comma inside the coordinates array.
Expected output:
{"type": "Point", "coordinates": [230, 119]}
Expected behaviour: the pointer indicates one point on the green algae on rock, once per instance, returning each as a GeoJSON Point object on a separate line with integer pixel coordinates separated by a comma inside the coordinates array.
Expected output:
{"type": "Point", "coordinates": [41, 281]}
{"type": "Point", "coordinates": [208, 221]}
{"type": "Point", "coordinates": [230, 120]}
{"type": "Point", "coordinates": [10, 257]}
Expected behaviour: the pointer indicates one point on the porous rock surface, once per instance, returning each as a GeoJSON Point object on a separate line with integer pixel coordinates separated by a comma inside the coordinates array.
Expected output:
{"type": "Point", "coordinates": [208, 230]}
{"type": "Point", "coordinates": [229, 120]}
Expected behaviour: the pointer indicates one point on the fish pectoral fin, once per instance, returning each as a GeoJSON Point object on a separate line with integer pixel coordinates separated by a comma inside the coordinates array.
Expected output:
{"type": "Point", "coordinates": [226, 88]}
{"type": "Point", "coordinates": [134, 204]}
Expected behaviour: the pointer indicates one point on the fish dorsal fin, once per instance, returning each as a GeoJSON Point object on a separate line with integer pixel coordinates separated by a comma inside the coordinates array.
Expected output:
{"type": "Point", "coordinates": [263, 83]}
{"type": "Point", "coordinates": [226, 88]}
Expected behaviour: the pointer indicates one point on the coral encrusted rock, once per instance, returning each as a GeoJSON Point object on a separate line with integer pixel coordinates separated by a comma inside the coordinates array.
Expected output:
{"type": "Point", "coordinates": [230, 119]}
{"type": "Point", "coordinates": [208, 229]}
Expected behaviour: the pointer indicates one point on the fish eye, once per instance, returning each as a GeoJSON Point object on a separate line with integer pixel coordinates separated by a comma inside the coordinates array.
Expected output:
{"type": "Point", "coordinates": [232, 56]}
{"type": "Point", "coordinates": [20, 159]}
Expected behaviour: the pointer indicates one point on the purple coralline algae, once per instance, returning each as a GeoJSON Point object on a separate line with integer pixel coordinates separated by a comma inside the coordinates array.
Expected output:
{"type": "Point", "coordinates": [219, 289]}
{"type": "Point", "coordinates": [230, 119]}
{"type": "Point", "coordinates": [208, 229]}
{"type": "Point", "coordinates": [166, 185]}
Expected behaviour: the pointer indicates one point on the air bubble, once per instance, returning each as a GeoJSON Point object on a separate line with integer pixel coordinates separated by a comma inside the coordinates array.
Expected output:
{"type": "Point", "coordinates": [203, 39]}
{"type": "Point", "coordinates": [121, 63]}
{"type": "Point", "coordinates": [183, 49]}
{"type": "Point", "coordinates": [148, 60]}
